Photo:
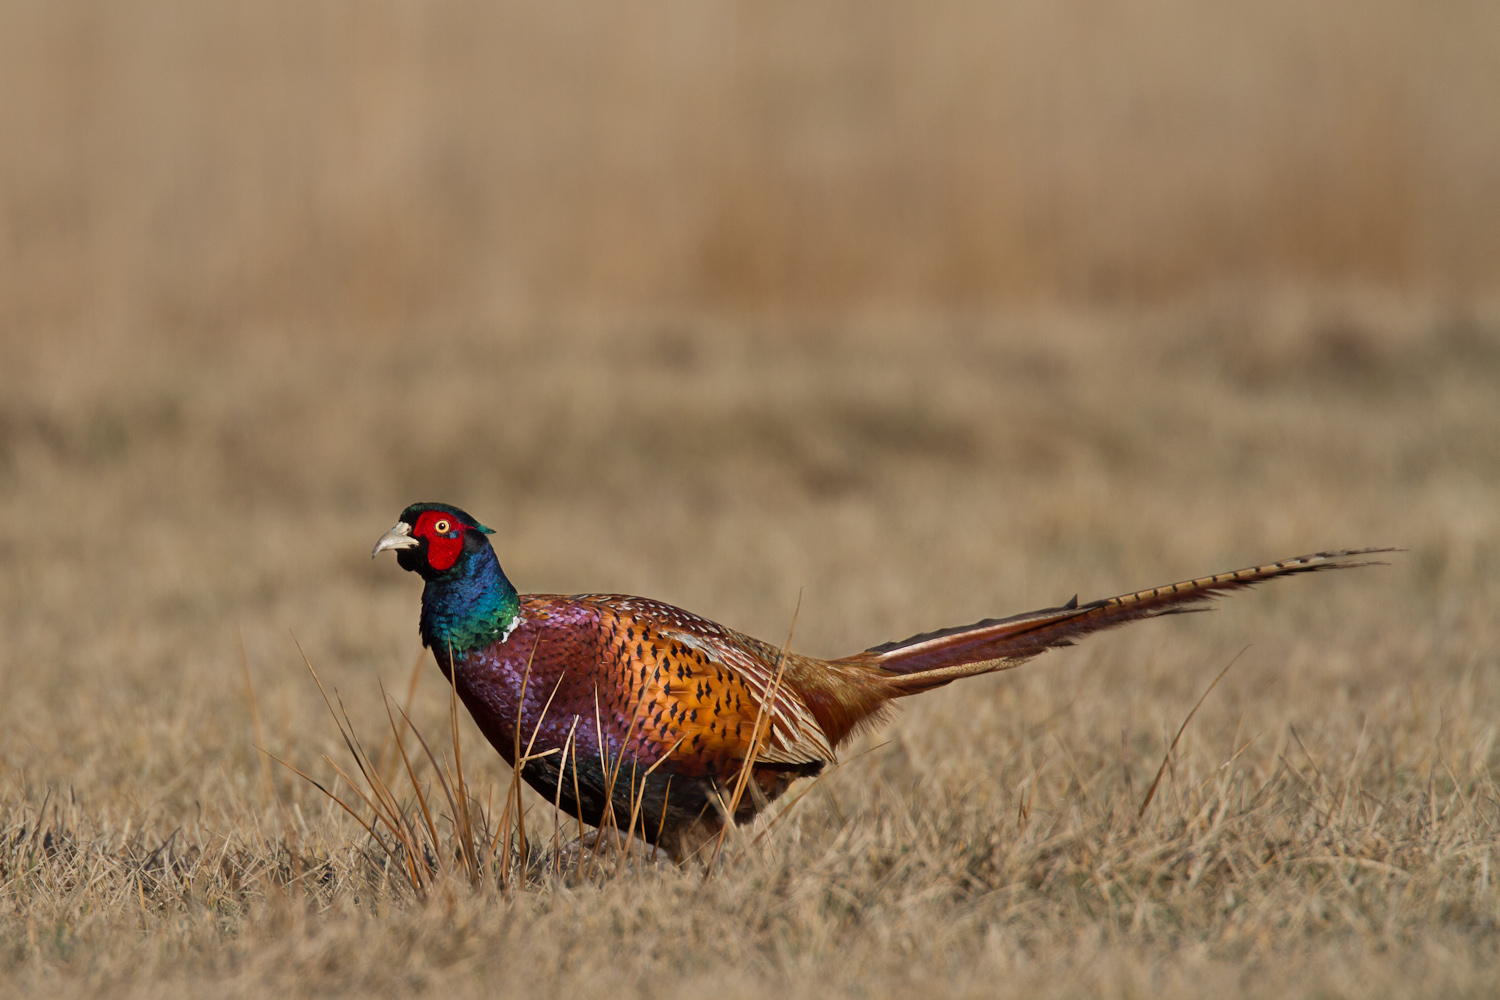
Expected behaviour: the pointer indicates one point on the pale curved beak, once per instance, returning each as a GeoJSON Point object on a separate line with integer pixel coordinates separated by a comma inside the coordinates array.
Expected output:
{"type": "Point", "coordinates": [398, 537]}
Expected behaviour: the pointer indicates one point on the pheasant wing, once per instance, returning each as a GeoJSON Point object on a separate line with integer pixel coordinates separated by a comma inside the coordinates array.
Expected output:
{"type": "Point", "coordinates": [708, 694]}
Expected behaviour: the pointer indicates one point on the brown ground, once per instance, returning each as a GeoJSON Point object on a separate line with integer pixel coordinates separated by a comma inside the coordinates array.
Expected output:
{"type": "Point", "coordinates": [1329, 826]}
{"type": "Point", "coordinates": [923, 318]}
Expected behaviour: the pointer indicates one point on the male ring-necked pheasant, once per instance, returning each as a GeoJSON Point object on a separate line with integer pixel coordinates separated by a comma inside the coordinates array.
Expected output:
{"type": "Point", "coordinates": [633, 709]}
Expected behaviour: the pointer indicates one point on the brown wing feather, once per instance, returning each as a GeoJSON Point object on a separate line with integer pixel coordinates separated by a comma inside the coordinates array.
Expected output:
{"type": "Point", "coordinates": [936, 658]}
{"type": "Point", "coordinates": [702, 687]}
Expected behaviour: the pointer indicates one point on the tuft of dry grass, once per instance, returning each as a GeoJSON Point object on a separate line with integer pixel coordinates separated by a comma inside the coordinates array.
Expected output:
{"type": "Point", "coordinates": [1327, 823]}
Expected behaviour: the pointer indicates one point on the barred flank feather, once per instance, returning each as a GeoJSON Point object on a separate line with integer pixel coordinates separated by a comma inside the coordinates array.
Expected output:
{"type": "Point", "coordinates": [933, 659]}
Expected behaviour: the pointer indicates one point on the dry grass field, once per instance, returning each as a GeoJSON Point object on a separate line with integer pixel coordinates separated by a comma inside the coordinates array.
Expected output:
{"type": "Point", "coordinates": [1328, 826]}
{"type": "Point", "coordinates": [905, 320]}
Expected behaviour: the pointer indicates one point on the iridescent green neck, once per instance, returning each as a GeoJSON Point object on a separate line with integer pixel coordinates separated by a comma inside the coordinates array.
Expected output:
{"type": "Point", "coordinates": [472, 605]}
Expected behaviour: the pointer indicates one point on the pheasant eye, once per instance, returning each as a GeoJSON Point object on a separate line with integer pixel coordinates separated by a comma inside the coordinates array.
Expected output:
{"type": "Point", "coordinates": [441, 527]}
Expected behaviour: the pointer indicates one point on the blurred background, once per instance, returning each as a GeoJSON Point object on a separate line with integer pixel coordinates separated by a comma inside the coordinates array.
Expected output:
{"type": "Point", "coordinates": [926, 312]}
{"type": "Point", "coordinates": [219, 167]}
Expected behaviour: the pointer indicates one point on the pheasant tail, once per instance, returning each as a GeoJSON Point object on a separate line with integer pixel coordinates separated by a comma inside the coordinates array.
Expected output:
{"type": "Point", "coordinates": [932, 659]}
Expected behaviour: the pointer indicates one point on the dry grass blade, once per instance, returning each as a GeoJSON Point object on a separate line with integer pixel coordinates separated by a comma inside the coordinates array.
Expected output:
{"type": "Point", "coordinates": [607, 816]}
{"type": "Point", "coordinates": [443, 781]}
{"type": "Point", "coordinates": [386, 808]}
{"type": "Point", "coordinates": [411, 693]}
{"type": "Point", "coordinates": [614, 775]}
{"type": "Point", "coordinates": [377, 785]}
{"type": "Point", "coordinates": [411, 773]}
{"type": "Point", "coordinates": [784, 811]}
{"type": "Point", "coordinates": [400, 861]}
{"type": "Point", "coordinates": [418, 850]}
{"type": "Point", "coordinates": [562, 770]}
{"type": "Point", "coordinates": [613, 771]}
{"type": "Point", "coordinates": [513, 810]}
{"type": "Point", "coordinates": [763, 713]}
{"type": "Point", "coordinates": [254, 705]}
{"type": "Point", "coordinates": [358, 817]}
{"type": "Point", "coordinates": [462, 820]}
{"type": "Point", "coordinates": [637, 795]}
{"type": "Point", "coordinates": [1151, 792]}
{"type": "Point", "coordinates": [513, 793]}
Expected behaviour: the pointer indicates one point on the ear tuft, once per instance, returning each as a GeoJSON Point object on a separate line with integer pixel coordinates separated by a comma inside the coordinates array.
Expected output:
{"type": "Point", "coordinates": [487, 531]}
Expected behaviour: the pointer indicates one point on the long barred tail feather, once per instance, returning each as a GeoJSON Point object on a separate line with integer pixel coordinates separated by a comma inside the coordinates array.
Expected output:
{"type": "Point", "coordinates": [933, 659]}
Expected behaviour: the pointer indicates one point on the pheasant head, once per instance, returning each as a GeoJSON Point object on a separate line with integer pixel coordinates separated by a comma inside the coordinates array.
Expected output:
{"type": "Point", "coordinates": [467, 602]}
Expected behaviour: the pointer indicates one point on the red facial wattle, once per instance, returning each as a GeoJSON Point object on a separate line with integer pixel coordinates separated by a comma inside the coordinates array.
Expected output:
{"type": "Point", "coordinates": [445, 538]}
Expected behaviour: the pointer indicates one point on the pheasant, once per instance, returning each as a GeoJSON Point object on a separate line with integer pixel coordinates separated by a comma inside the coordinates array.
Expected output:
{"type": "Point", "coordinates": [635, 714]}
